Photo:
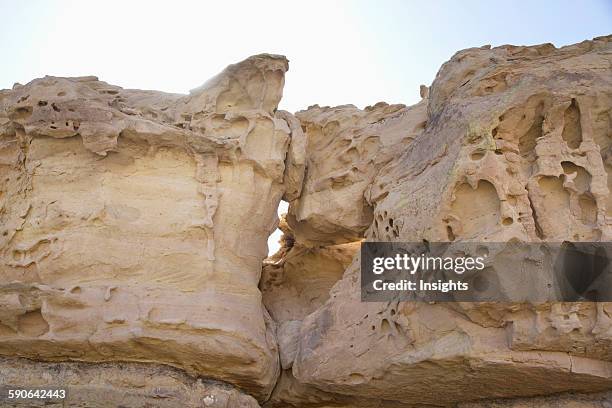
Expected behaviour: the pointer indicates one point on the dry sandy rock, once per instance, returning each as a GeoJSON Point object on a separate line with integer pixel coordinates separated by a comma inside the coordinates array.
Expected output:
{"type": "Point", "coordinates": [513, 145]}
{"type": "Point", "coordinates": [102, 385]}
{"type": "Point", "coordinates": [133, 228]}
{"type": "Point", "coordinates": [134, 223]}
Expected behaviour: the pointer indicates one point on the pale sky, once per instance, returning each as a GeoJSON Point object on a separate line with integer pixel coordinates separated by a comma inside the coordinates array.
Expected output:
{"type": "Point", "coordinates": [358, 52]}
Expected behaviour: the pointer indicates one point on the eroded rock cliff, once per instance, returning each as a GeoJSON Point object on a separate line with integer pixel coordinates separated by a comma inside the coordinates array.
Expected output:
{"type": "Point", "coordinates": [133, 228]}
{"type": "Point", "coordinates": [134, 223]}
{"type": "Point", "coordinates": [509, 143]}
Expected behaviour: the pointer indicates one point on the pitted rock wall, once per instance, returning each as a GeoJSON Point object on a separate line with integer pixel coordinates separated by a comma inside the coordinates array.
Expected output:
{"type": "Point", "coordinates": [133, 228]}
{"type": "Point", "coordinates": [134, 223]}
{"type": "Point", "coordinates": [509, 143]}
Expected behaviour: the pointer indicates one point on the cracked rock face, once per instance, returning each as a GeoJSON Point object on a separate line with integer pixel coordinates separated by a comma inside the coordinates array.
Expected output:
{"type": "Point", "coordinates": [133, 228]}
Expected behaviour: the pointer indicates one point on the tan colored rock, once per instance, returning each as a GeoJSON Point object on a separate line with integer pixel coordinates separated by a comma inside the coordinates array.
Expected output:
{"type": "Point", "coordinates": [133, 227]}
{"type": "Point", "coordinates": [599, 400]}
{"type": "Point", "coordinates": [116, 385]}
{"type": "Point", "coordinates": [296, 281]}
{"type": "Point", "coordinates": [395, 351]}
{"type": "Point", "coordinates": [295, 163]}
{"type": "Point", "coordinates": [291, 393]}
{"type": "Point", "coordinates": [515, 147]}
{"type": "Point", "coordinates": [134, 223]}
{"type": "Point", "coordinates": [346, 147]}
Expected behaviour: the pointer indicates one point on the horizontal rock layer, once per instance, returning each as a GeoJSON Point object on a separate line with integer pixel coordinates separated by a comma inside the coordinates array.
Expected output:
{"type": "Point", "coordinates": [134, 223]}
{"type": "Point", "coordinates": [117, 384]}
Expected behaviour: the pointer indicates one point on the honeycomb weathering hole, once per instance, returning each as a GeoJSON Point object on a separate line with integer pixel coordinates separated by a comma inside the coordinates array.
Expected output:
{"type": "Point", "coordinates": [476, 209]}
{"type": "Point", "coordinates": [32, 324]}
{"type": "Point", "coordinates": [572, 128]}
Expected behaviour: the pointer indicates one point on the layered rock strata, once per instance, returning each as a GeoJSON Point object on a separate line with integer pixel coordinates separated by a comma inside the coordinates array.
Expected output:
{"type": "Point", "coordinates": [134, 223]}
{"type": "Point", "coordinates": [133, 228]}
{"type": "Point", "coordinates": [117, 385]}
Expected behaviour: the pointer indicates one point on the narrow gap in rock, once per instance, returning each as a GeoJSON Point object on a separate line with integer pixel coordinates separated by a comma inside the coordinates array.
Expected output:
{"type": "Point", "coordinates": [274, 238]}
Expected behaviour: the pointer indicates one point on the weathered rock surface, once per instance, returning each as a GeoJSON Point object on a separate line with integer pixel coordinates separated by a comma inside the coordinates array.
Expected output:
{"type": "Point", "coordinates": [514, 146]}
{"type": "Point", "coordinates": [134, 223]}
{"type": "Point", "coordinates": [133, 229]}
{"type": "Point", "coordinates": [118, 385]}
{"type": "Point", "coordinates": [345, 148]}
{"type": "Point", "coordinates": [598, 400]}
{"type": "Point", "coordinates": [296, 281]}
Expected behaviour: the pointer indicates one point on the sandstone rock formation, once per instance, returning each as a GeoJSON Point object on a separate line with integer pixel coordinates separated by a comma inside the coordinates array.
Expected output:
{"type": "Point", "coordinates": [514, 147]}
{"type": "Point", "coordinates": [346, 147]}
{"type": "Point", "coordinates": [597, 400]}
{"type": "Point", "coordinates": [133, 228]}
{"type": "Point", "coordinates": [477, 160]}
{"type": "Point", "coordinates": [134, 223]}
{"type": "Point", "coordinates": [119, 385]}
